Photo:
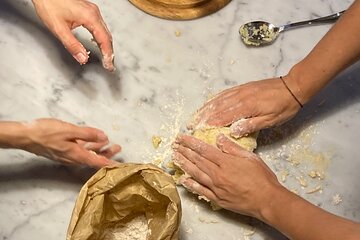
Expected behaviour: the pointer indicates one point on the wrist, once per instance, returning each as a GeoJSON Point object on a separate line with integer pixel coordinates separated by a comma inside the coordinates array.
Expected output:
{"type": "Point", "coordinates": [14, 135]}
{"type": "Point", "coordinates": [306, 79]}
{"type": "Point", "coordinates": [297, 80]}
{"type": "Point", "coordinates": [291, 93]}
{"type": "Point", "coordinates": [278, 198]}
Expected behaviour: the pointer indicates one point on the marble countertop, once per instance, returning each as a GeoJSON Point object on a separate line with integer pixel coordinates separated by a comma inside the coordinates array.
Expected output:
{"type": "Point", "coordinates": [161, 79]}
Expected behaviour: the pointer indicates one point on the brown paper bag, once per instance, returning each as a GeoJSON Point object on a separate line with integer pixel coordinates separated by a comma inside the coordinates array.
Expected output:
{"type": "Point", "coordinates": [117, 194]}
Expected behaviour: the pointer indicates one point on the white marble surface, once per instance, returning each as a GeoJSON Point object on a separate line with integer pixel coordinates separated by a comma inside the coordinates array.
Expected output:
{"type": "Point", "coordinates": [160, 80]}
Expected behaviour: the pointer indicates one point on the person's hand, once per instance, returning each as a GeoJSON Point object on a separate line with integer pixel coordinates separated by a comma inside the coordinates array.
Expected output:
{"type": "Point", "coordinates": [60, 17]}
{"type": "Point", "coordinates": [249, 107]}
{"type": "Point", "coordinates": [68, 143]}
{"type": "Point", "coordinates": [230, 176]}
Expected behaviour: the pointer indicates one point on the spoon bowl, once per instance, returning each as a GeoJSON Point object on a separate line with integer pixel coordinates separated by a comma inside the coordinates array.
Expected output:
{"type": "Point", "coordinates": [260, 33]}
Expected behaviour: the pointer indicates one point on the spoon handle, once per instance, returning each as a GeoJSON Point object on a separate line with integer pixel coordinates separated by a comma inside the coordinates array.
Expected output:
{"type": "Point", "coordinates": [326, 19]}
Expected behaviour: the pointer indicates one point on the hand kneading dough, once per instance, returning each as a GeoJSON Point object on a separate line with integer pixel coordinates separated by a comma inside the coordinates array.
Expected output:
{"type": "Point", "coordinates": [209, 136]}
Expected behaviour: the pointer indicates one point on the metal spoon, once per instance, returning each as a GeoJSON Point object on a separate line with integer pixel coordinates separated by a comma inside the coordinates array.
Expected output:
{"type": "Point", "coordinates": [259, 33]}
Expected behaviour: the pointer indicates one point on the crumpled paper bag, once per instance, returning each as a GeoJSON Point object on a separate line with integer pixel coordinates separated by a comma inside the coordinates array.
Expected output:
{"type": "Point", "coordinates": [118, 193]}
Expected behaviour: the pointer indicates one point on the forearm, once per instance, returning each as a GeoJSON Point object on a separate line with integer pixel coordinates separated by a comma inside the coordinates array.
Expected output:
{"type": "Point", "coordinates": [338, 49]}
{"type": "Point", "coordinates": [300, 220]}
{"type": "Point", "coordinates": [12, 134]}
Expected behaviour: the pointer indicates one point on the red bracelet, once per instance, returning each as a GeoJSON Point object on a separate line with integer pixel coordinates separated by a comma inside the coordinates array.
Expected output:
{"type": "Point", "coordinates": [291, 91]}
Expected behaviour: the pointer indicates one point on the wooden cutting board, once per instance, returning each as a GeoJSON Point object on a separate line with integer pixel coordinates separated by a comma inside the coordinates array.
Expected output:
{"type": "Point", "coordinates": [179, 9]}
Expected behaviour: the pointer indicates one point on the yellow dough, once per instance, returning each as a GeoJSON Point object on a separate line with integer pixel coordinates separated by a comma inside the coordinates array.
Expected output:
{"type": "Point", "coordinates": [209, 136]}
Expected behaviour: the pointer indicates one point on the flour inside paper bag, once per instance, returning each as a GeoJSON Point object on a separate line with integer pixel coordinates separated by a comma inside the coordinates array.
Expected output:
{"type": "Point", "coordinates": [127, 198]}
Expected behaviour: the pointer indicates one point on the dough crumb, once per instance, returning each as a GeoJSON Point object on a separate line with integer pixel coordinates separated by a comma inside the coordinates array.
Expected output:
{"type": "Point", "coordinates": [302, 181]}
{"type": "Point", "coordinates": [283, 175]}
{"type": "Point", "coordinates": [158, 162]}
{"type": "Point", "coordinates": [249, 231]}
{"type": "Point", "coordinates": [317, 174]}
{"type": "Point", "coordinates": [156, 141]}
{"type": "Point", "coordinates": [207, 221]}
{"type": "Point", "coordinates": [295, 191]}
{"type": "Point", "coordinates": [336, 199]}
{"type": "Point", "coordinates": [316, 189]}
{"type": "Point", "coordinates": [177, 33]}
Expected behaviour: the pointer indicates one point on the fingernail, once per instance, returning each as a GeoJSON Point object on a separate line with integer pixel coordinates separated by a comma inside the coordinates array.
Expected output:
{"type": "Point", "coordinates": [237, 129]}
{"type": "Point", "coordinates": [189, 187]}
{"type": "Point", "coordinates": [93, 152]}
{"type": "Point", "coordinates": [108, 62]}
{"type": "Point", "coordinates": [116, 148]}
{"type": "Point", "coordinates": [102, 137]}
{"type": "Point", "coordinates": [222, 136]}
{"type": "Point", "coordinates": [192, 123]}
{"type": "Point", "coordinates": [176, 163]}
{"type": "Point", "coordinates": [113, 162]}
{"type": "Point", "coordinates": [182, 181]}
{"type": "Point", "coordinates": [107, 147]}
{"type": "Point", "coordinates": [177, 160]}
{"type": "Point", "coordinates": [81, 58]}
{"type": "Point", "coordinates": [88, 145]}
{"type": "Point", "coordinates": [175, 146]}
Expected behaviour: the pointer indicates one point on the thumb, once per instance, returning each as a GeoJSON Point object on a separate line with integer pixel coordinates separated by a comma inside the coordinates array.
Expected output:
{"type": "Point", "coordinates": [72, 44]}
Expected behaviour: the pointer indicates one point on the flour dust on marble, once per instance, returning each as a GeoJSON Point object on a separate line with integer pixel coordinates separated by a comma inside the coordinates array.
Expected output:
{"type": "Point", "coordinates": [172, 117]}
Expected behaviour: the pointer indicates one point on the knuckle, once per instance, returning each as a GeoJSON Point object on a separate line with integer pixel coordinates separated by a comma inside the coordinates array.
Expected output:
{"type": "Point", "coordinates": [219, 180]}
{"type": "Point", "coordinates": [221, 199]}
{"type": "Point", "coordinates": [196, 175]}
{"type": "Point", "coordinates": [197, 162]}
{"type": "Point", "coordinates": [65, 161]}
{"type": "Point", "coordinates": [72, 151]}
{"type": "Point", "coordinates": [58, 31]}
{"type": "Point", "coordinates": [72, 45]}
{"type": "Point", "coordinates": [110, 38]}
{"type": "Point", "coordinates": [221, 202]}
{"type": "Point", "coordinates": [63, 148]}
{"type": "Point", "coordinates": [93, 9]}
